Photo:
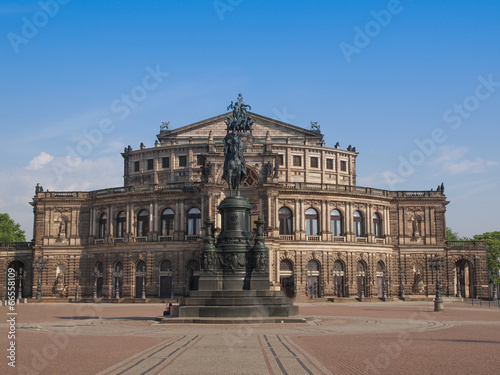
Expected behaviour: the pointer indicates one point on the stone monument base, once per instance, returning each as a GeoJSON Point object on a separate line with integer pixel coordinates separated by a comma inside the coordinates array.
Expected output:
{"type": "Point", "coordinates": [253, 304]}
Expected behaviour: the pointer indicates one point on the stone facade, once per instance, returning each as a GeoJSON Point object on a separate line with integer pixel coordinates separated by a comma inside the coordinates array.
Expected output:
{"type": "Point", "coordinates": [326, 235]}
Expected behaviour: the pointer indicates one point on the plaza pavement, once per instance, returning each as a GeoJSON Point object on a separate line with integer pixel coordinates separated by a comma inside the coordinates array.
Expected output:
{"type": "Point", "coordinates": [339, 338]}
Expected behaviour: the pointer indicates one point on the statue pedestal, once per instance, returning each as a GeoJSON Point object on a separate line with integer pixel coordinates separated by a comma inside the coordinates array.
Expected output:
{"type": "Point", "coordinates": [234, 280]}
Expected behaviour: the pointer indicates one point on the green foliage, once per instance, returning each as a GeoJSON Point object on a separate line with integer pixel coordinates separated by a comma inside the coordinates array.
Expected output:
{"type": "Point", "coordinates": [493, 242]}
{"type": "Point", "coordinates": [450, 235]}
{"type": "Point", "coordinates": [453, 236]}
{"type": "Point", "coordinates": [10, 231]}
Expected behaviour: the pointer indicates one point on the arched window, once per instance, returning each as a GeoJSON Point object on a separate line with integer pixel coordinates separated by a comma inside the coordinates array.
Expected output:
{"type": "Point", "coordinates": [311, 222]}
{"type": "Point", "coordinates": [140, 266]}
{"type": "Point", "coordinates": [359, 230]}
{"type": "Point", "coordinates": [121, 220]}
{"type": "Point", "coordinates": [166, 266]}
{"type": "Point", "coordinates": [285, 220]}
{"type": "Point", "coordinates": [99, 268]}
{"type": "Point", "coordinates": [118, 267]}
{"type": "Point", "coordinates": [336, 223]}
{"type": "Point", "coordinates": [377, 225]}
{"type": "Point", "coordinates": [167, 222]}
{"type": "Point", "coordinates": [193, 221]}
{"type": "Point", "coordinates": [102, 225]}
{"type": "Point", "coordinates": [142, 223]}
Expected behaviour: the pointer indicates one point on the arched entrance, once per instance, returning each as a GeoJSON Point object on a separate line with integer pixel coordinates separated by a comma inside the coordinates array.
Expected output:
{"type": "Point", "coordinates": [464, 278]}
{"type": "Point", "coordinates": [20, 276]}
{"type": "Point", "coordinates": [338, 279]}
{"type": "Point", "coordinates": [166, 280]}
{"type": "Point", "coordinates": [140, 278]}
{"type": "Point", "coordinates": [380, 279]}
{"type": "Point", "coordinates": [361, 278]}
{"type": "Point", "coordinates": [312, 281]}
{"type": "Point", "coordinates": [286, 278]}
{"type": "Point", "coordinates": [193, 274]}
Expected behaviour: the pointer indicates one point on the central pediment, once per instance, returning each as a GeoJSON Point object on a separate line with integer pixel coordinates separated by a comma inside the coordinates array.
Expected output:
{"type": "Point", "coordinates": [261, 126]}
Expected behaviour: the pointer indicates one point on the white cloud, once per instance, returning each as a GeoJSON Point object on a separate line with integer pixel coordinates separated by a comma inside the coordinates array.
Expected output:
{"type": "Point", "coordinates": [19, 184]}
{"type": "Point", "coordinates": [452, 161]}
{"type": "Point", "coordinates": [39, 161]}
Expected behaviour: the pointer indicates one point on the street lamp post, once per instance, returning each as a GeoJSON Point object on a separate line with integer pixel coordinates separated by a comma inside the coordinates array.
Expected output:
{"type": "Point", "coordinates": [117, 275]}
{"type": "Point", "coordinates": [40, 264]}
{"type": "Point", "coordinates": [142, 274]}
{"type": "Point", "coordinates": [460, 274]}
{"type": "Point", "coordinates": [362, 278]}
{"type": "Point", "coordinates": [95, 273]}
{"type": "Point", "coordinates": [402, 277]}
{"type": "Point", "coordinates": [77, 281]}
{"type": "Point", "coordinates": [437, 263]}
{"type": "Point", "coordinates": [384, 287]}
{"type": "Point", "coordinates": [20, 277]}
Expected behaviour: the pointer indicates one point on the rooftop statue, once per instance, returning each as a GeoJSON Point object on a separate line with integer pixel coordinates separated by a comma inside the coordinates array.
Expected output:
{"type": "Point", "coordinates": [239, 120]}
{"type": "Point", "coordinates": [235, 169]}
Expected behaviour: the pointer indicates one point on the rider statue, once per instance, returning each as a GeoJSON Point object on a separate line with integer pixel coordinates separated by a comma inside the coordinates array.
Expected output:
{"type": "Point", "coordinates": [235, 169]}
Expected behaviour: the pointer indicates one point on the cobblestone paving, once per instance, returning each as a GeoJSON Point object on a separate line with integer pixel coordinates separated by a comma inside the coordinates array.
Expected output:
{"type": "Point", "coordinates": [368, 338]}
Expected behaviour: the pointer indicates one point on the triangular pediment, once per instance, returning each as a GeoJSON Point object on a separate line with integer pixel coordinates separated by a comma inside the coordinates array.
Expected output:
{"type": "Point", "coordinates": [261, 126]}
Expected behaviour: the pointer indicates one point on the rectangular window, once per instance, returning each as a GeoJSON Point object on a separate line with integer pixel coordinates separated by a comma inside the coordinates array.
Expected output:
{"type": "Point", "coordinates": [281, 160]}
{"type": "Point", "coordinates": [200, 160]}
{"type": "Point", "coordinates": [137, 166]}
{"type": "Point", "coordinates": [297, 161]}
{"type": "Point", "coordinates": [314, 162]}
{"type": "Point", "coordinates": [183, 161]}
{"type": "Point", "coordinates": [343, 166]}
{"type": "Point", "coordinates": [165, 163]}
{"type": "Point", "coordinates": [329, 163]}
{"type": "Point", "coordinates": [150, 164]}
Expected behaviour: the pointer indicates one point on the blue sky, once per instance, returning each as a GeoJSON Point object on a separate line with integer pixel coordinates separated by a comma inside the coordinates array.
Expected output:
{"type": "Point", "coordinates": [414, 85]}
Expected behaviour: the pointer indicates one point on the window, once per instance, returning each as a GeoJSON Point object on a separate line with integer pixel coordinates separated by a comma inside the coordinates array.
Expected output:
{"type": "Point", "coordinates": [336, 223]}
{"type": "Point", "coordinates": [137, 166]}
{"type": "Point", "coordinates": [121, 220]}
{"type": "Point", "coordinates": [329, 163]}
{"type": "Point", "coordinates": [343, 166]}
{"type": "Point", "coordinates": [183, 161]}
{"type": "Point", "coordinates": [142, 223]}
{"type": "Point", "coordinates": [102, 226]}
{"type": "Point", "coordinates": [150, 164]}
{"type": "Point", "coordinates": [285, 220]}
{"type": "Point", "coordinates": [314, 162]}
{"type": "Point", "coordinates": [165, 162]}
{"type": "Point", "coordinates": [312, 222]}
{"type": "Point", "coordinates": [281, 160]}
{"type": "Point", "coordinates": [167, 222]}
{"type": "Point", "coordinates": [194, 221]}
{"type": "Point", "coordinates": [140, 266]}
{"type": "Point", "coordinates": [297, 161]}
{"type": "Point", "coordinates": [377, 225]}
{"type": "Point", "coordinates": [200, 160]}
{"type": "Point", "coordinates": [166, 266]}
{"type": "Point", "coordinates": [358, 224]}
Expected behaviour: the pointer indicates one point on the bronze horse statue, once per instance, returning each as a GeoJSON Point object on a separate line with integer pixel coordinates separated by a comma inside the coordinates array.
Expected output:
{"type": "Point", "coordinates": [235, 169]}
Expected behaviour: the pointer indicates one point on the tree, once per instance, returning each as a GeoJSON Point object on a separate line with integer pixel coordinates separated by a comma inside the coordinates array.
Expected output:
{"type": "Point", "coordinates": [10, 231]}
{"type": "Point", "coordinates": [493, 243]}
{"type": "Point", "coordinates": [450, 235]}
{"type": "Point", "coordinates": [453, 236]}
